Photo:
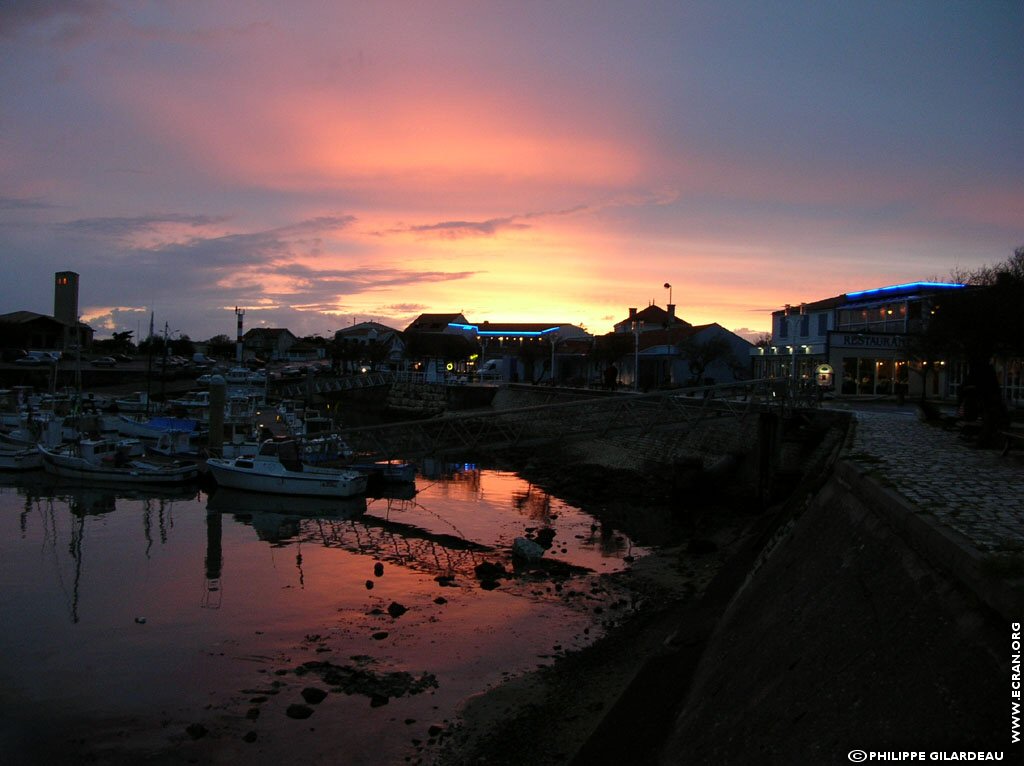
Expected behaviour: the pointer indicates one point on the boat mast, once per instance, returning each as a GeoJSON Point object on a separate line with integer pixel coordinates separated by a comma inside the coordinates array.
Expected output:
{"type": "Point", "coordinates": [149, 363]}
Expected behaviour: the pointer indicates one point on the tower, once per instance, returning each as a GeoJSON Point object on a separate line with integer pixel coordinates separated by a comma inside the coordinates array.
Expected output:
{"type": "Point", "coordinates": [65, 298]}
{"type": "Point", "coordinates": [239, 344]}
{"type": "Point", "coordinates": [65, 305]}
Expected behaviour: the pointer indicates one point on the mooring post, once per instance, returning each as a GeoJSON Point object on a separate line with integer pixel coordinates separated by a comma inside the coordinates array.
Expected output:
{"type": "Point", "coordinates": [768, 430]}
{"type": "Point", "coordinates": [218, 395]}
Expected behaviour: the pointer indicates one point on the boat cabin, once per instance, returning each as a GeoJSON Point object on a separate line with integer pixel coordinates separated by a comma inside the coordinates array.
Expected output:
{"type": "Point", "coordinates": [285, 451]}
{"type": "Point", "coordinates": [106, 452]}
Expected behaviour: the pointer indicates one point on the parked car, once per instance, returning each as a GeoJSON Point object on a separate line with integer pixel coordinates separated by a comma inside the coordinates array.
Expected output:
{"type": "Point", "coordinates": [39, 357]}
{"type": "Point", "coordinates": [237, 375]}
{"type": "Point", "coordinates": [104, 361]}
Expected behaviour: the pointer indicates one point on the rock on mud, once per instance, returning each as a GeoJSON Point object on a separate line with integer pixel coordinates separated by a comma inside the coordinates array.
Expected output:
{"type": "Point", "coordinates": [526, 550]}
{"type": "Point", "coordinates": [359, 679]}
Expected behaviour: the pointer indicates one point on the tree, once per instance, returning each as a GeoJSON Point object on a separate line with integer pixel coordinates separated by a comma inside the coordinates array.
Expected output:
{"type": "Point", "coordinates": [118, 343]}
{"type": "Point", "coordinates": [376, 353]}
{"type": "Point", "coordinates": [182, 346]}
{"type": "Point", "coordinates": [701, 354]}
{"type": "Point", "coordinates": [924, 352]}
{"type": "Point", "coordinates": [610, 349]}
{"type": "Point", "coordinates": [985, 318]}
{"type": "Point", "coordinates": [123, 341]}
{"type": "Point", "coordinates": [977, 323]}
{"type": "Point", "coordinates": [220, 345]}
{"type": "Point", "coordinates": [345, 353]}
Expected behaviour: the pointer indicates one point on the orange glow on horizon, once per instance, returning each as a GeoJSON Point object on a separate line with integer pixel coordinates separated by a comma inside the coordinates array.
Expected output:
{"type": "Point", "coordinates": [553, 193]}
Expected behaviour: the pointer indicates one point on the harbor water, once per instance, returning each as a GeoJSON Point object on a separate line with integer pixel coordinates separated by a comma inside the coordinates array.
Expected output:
{"type": "Point", "coordinates": [189, 626]}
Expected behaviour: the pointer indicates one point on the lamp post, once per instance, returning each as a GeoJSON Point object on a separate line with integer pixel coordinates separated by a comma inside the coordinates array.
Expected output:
{"type": "Point", "coordinates": [669, 288]}
{"type": "Point", "coordinates": [638, 325]}
{"type": "Point", "coordinates": [554, 339]}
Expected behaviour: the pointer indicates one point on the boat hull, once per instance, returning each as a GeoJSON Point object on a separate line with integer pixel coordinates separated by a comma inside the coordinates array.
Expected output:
{"type": "Point", "coordinates": [20, 460]}
{"type": "Point", "coordinates": [133, 472]}
{"type": "Point", "coordinates": [310, 482]}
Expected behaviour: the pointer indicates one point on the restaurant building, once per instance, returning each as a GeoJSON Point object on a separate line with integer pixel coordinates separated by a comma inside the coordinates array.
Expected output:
{"type": "Point", "coordinates": [864, 343]}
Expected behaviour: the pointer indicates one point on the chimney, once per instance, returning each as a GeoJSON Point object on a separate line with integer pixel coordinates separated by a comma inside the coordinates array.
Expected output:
{"type": "Point", "coordinates": [632, 313]}
{"type": "Point", "coordinates": [671, 312]}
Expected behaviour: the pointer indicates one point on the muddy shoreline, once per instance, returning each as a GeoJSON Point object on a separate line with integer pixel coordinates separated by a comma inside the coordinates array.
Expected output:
{"type": "Point", "coordinates": [550, 711]}
{"type": "Point", "coordinates": [548, 716]}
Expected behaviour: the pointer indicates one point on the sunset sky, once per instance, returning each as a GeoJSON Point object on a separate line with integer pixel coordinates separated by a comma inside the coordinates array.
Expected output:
{"type": "Point", "coordinates": [321, 163]}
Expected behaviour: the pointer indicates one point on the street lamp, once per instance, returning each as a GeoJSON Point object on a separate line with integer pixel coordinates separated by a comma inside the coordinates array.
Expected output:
{"type": "Point", "coordinates": [638, 325]}
{"type": "Point", "coordinates": [554, 339]}
{"type": "Point", "coordinates": [669, 288]}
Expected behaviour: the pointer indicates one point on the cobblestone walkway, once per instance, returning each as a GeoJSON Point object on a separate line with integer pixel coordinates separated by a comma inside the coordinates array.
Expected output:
{"type": "Point", "coordinates": [977, 492]}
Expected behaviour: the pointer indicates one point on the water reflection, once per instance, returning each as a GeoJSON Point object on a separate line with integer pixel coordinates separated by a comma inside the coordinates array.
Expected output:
{"type": "Point", "coordinates": [350, 524]}
{"type": "Point", "coordinates": [128, 603]}
{"type": "Point", "coordinates": [445, 527]}
{"type": "Point", "coordinates": [47, 498]}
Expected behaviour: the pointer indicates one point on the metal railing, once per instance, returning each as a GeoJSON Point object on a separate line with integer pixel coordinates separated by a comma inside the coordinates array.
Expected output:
{"type": "Point", "coordinates": [623, 415]}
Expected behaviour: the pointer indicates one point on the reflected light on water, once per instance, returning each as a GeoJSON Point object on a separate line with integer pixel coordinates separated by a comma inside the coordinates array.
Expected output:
{"type": "Point", "coordinates": [171, 609]}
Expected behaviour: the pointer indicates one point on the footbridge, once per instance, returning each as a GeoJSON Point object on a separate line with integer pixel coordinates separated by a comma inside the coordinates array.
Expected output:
{"type": "Point", "coordinates": [662, 420]}
{"type": "Point", "coordinates": [326, 384]}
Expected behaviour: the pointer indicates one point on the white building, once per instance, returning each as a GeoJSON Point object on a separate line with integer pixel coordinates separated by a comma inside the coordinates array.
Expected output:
{"type": "Point", "coordinates": [860, 343]}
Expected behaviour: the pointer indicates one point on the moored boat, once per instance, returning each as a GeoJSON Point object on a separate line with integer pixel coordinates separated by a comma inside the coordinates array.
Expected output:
{"type": "Point", "coordinates": [278, 468]}
{"type": "Point", "coordinates": [137, 401]}
{"type": "Point", "coordinates": [113, 460]}
{"type": "Point", "coordinates": [390, 472]}
{"type": "Point", "coordinates": [20, 458]}
{"type": "Point", "coordinates": [162, 434]}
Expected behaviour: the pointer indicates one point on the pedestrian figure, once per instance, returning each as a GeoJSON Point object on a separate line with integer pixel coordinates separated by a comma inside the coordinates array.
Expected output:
{"type": "Point", "coordinates": [611, 377]}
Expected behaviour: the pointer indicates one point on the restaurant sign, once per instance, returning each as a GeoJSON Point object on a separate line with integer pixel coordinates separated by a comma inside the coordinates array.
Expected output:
{"type": "Point", "coordinates": [865, 340]}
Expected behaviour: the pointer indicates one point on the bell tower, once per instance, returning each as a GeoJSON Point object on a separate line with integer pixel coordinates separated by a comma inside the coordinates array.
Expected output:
{"type": "Point", "coordinates": [65, 298]}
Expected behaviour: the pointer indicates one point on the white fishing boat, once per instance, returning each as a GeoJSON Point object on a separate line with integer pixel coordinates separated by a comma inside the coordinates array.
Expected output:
{"type": "Point", "coordinates": [13, 404]}
{"type": "Point", "coordinates": [324, 450]}
{"type": "Point", "coordinates": [196, 401]}
{"type": "Point", "coordinates": [163, 434]}
{"type": "Point", "coordinates": [19, 458]}
{"type": "Point", "coordinates": [278, 468]}
{"type": "Point", "coordinates": [113, 460]}
{"type": "Point", "coordinates": [152, 427]}
{"type": "Point", "coordinates": [44, 428]}
{"type": "Point", "coordinates": [137, 401]}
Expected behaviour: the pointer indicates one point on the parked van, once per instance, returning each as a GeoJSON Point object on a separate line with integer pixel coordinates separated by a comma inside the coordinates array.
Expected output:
{"type": "Point", "coordinates": [490, 370]}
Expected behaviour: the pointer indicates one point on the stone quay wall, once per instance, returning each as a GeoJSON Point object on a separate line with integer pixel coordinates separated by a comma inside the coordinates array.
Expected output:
{"type": "Point", "coordinates": [752, 453]}
{"type": "Point", "coordinates": [850, 621]}
{"type": "Point", "coordinates": [849, 632]}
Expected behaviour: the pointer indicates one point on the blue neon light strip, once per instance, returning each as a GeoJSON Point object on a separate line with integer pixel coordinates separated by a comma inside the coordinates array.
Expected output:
{"type": "Point", "coordinates": [907, 286]}
{"type": "Point", "coordinates": [496, 333]}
